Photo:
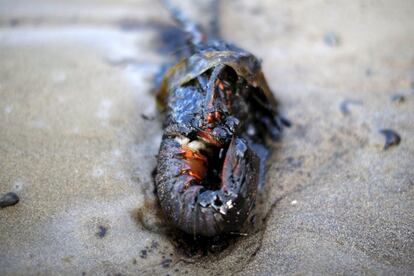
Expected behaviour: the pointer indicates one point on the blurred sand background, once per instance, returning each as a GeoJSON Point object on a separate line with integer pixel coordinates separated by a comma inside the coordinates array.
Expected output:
{"type": "Point", "coordinates": [79, 135]}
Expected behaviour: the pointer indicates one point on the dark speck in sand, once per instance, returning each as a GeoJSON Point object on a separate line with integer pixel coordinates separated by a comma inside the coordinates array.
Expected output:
{"type": "Point", "coordinates": [392, 138]}
{"type": "Point", "coordinates": [102, 231]}
{"type": "Point", "coordinates": [368, 72]}
{"type": "Point", "coordinates": [154, 245]}
{"type": "Point", "coordinates": [344, 106]}
{"type": "Point", "coordinates": [9, 199]}
{"type": "Point", "coordinates": [143, 254]}
{"type": "Point", "coordinates": [147, 118]}
{"type": "Point", "coordinates": [166, 263]}
{"type": "Point", "coordinates": [285, 121]}
{"type": "Point", "coordinates": [398, 98]}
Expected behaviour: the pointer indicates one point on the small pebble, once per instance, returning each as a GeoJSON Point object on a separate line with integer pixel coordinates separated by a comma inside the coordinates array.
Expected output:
{"type": "Point", "coordinates": [294, 202]}
{"type": "Point", "coordinates": [398, 98]}
{"type": "Point", "coordinates": [392, 138]}
{"type": "Point", "coordinates": [9, 199]}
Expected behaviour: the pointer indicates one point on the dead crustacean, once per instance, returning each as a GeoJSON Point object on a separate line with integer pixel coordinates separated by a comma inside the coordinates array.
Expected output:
{"type": "Point", "coordinates": [218, 110]}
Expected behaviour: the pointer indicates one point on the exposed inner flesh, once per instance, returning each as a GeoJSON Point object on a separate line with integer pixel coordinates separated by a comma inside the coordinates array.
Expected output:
{"type": "Point", "coordinates": [204, 156]}
{"type": "Point", "coordinates": [203, 161]}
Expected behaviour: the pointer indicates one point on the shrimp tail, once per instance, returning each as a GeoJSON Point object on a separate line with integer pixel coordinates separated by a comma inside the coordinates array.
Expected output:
{"type": "Point", "coordinates": [198, 210]}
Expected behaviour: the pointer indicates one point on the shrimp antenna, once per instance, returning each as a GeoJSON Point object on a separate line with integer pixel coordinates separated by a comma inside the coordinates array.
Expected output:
{"type": "Point", "coordinates": [191, 28]}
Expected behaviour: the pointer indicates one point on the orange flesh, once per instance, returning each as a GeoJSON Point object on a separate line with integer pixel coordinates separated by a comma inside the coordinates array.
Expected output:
{"type": "Point", "coordinates": [217, 115]}
{"type": "Point", "coordinates": [195, 163]}
{"type": "Point", "coordinates": [205, 135]}
{"type": "Point", "coordinates": [210, 117]}
{"type": "Point", "coordinates": [220, 84]}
